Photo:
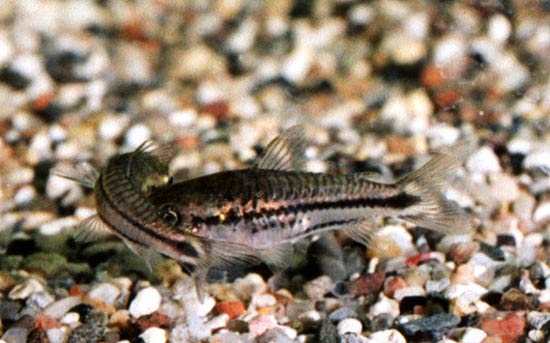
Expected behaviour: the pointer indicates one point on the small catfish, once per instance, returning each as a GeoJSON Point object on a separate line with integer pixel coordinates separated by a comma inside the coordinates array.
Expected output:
{"type": "Point", "coordinates": [255, 214]}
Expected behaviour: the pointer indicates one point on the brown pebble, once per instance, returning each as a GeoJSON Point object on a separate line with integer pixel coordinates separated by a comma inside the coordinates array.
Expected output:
{"type": "Point", "coordinates": [218, 109]}
{"type": "Point", "coordinates": [514, 300]}
{"type": "Point", "coordinates": [371, 283]}
{"type": "Point", "coordinates": [46, 322]}
{"type": "Point", "coordinates": [155, 319]}
{"type": "Point", "coordinates": [464, 274]}
{"type": "Point", "coordinates": [6, 282]}
{"type": "Point", "coordinates": [508, 329]}
{"type": "Point", "coordinates": [232, 308]}
{"type": "Point", "coordinates": [462, 252]}
{"type": "Point", "coordinates": [432, 77]}
{"type": "Point", "coordinates": [447, 97]}
{"type": "Point", "coordinates": [401, 146]}
{"type": "Point", "coordinates": [392, 284]}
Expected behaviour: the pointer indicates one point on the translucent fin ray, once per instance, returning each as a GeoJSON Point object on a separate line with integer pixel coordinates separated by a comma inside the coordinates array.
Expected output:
{"type": "Point", "coordinates": [433, 211]}
{"type": "Point", "coordinates": [83, 173]}
{"type": "Point", "coordinates": [361, 231]}
{"type": "Point", "coordinates": [278, 256]}
{"type": "Point", "coordinates": [285, 152]}
{"type": "Point", "coordinates": [163, 151]}
{"type": "Point", "coordinates": [91, 229]}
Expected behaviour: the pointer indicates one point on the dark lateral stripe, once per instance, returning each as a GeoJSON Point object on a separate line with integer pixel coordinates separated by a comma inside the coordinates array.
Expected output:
{"type": "Point", "coordinates": [318, 227]}
{"type": "Point", "coordinates": [182, 246]}
{"type": "Point", "coordinates": [399, 201]}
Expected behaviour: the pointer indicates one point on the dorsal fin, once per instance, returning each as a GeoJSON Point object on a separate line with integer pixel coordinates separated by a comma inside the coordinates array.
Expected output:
{"type": "Point", "coordinates": [91, 229]}
{"type": "Point", "coordinates": [286, 151]}
{"type": "Point", "coordinates": [163, 151]}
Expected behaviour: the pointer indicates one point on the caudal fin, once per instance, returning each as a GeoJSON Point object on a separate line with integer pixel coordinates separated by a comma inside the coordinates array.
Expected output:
{"type": "Point", "coordinates": [427, 183]}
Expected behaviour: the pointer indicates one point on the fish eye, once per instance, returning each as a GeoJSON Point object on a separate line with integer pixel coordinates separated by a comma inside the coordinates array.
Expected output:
{"type": "Point", "coordinates": [170, 215]}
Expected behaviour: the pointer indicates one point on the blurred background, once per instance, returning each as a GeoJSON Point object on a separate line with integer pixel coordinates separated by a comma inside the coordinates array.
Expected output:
{"type": "Point", "coordinates": [377, 85]}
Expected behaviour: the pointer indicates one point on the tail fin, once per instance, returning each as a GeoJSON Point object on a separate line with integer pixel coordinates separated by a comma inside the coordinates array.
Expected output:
{"type": "Point", "coordinates": [434, 211]}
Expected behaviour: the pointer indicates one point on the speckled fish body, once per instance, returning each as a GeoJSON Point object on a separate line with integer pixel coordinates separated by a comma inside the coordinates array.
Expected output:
{"type": "Point", "coordinates": [255, 214]}
{"type": "Point", "coordinates": [261, 208]}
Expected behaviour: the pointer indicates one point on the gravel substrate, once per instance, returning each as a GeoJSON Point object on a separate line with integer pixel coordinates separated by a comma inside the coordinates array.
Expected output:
{"type": "Point", "coordinates": [377, 85]}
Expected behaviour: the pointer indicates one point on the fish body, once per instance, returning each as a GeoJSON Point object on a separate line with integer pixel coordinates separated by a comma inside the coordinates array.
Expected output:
{"type": "Point", "coordinates": [261, 208]}
{"type": "Point", "coordinates": [255, 214]}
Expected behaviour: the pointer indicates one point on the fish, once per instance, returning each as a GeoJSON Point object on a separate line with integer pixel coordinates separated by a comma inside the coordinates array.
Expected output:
{"type": "Point", "coordinates": [256, 214]}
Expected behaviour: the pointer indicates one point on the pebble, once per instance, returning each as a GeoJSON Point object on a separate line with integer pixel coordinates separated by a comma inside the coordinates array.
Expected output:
{"type": "Point", "coordinates": [183, 118]}
{"type": "Point", "coordinates": [509, 327]}
{"type": "Point", "coordinates": [59, 308]}
{"type": "Point", "coordinates": [136, 135]}
{"type": "Point", "coordinates": [341, 314]}
{"type": "Point", "coordinates": [58, 335]}
{"type": "Point", "coordinates": [371, 283]}
{"type": "Point", "coordinates": [431, 327]}
{"type": "Point", "coordinates": [542, 213]}
{"type": "Point", "coordinates": [108, 293]}
{"type": "Point", "coordinates": [25, 289]}
{"type": "Point", "coordinates": [384, 306]}
{"type": "Point", "coordinates": [473, 335]}
{"type": "Point", "coordinates": [232, 308]}
{"type": "Point", "coordinates": [260, 324]}
{"type": "Point", "coordinates": [409, 291]}
{"type": "Point", "coordinates": [154, 335]}
{"type": "Point", "coordinates": [146, 302]}
{"type": "Point", "coordinates": [249, 285]}
{"type": "Point", "coordinates": [112, 127]}
{"type": "Point", "coordinates": [392, 241]}
{"type": "Point", "coordinates": [386, 336]}
{"type": "Point", "coordinates": [483, 161]}
{"type": "Point", "coordinates": [317, 288]}
{"type": "Point", "coordinates": [349, 325]}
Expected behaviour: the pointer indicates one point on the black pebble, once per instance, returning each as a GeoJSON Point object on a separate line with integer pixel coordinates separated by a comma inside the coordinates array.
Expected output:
{"type": "Point", "coordinates": [83, 310]}
{"type": "Point", "coordinates": [9, 310]}
{"type": "Point", "coordinates": [41, 174]}
{"type": "Point", "coordinates": [433, 327]}
{"type": "Point", "coordinates": [14, 78]}
{"type": "Point", "coordinates": [494, 252]}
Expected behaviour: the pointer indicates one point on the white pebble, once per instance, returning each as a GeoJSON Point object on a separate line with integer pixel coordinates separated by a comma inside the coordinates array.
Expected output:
{"type": "Point", "coordinates": [411, 291]}
{"type": "Point", "coordinates": [146, 302]}
{"type": "Point", "coordinates": [499, 28]}
{"type": "Point", "coordinates": [537, 159]}
{"type": "Point", "coordinates": [111, 127]}
{"type": "Point", "coordinates": [71, 319]}
{"type": "Point", "coordinates": [56, 226]}
{"type": "Point", "coordinates": [183, 118]}
{"type": "Point", "coordinates": [483, 161]}
{"type": "Point", "coordinates": [386, 336]}
{"type": "Point", "coordinates": [58, 335]}
{"type": "Point", "coordinates": [25, 289]}
{"type": "Point", "coordinates": [24, 195]}
{"type": "Point", "coordinates": [349, 325]}
{"type": "Point", "coordinates": [298, 64]}
{"type": "Point", "coordinates": [136, 135]}
{"type": "Point", "coordinates": [58, 308]}
{"type": "Point", "coordinates": [384, 306]}
{"type": "Point", "coordinates": [249, 285]}
{"type": "Point", "coordinates": [317, 288]}
{"type": "Point", "coordinates": [154, 335]}
{"type": "Point", "coordinates": [542, 213]}
{"type": "Point", "coordinates": [473, 335]}
{"type": "Point", "coordinates": [106, 292]}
